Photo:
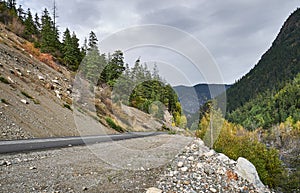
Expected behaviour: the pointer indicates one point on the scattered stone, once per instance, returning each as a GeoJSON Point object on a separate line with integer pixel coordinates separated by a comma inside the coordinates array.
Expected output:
{"type": "Point", "coordinates": [209, 154]}
{"type": "Point", "coordinates": [180, 164]}
{"type": "Point", "coordinates": [10, 80]}
{"type": "Point", "coordinates": [24, 101]}
{"type": "Point", "coordinates": [84, 188]}
{"type": "Point", "coordinates": [184, 169]}
{"type": "Point", "coordinates": [213, 190]}
{"type": "Point", "coordinates": [41, 77]}
{"type": "Point", "coordinates": [56, 82]}
{"type": "Point", "coordinates": [247, 170]}
{"type": "Point", "coordinates": [32, 168]}
{"type": "Point", "coordinates": [154, 190]}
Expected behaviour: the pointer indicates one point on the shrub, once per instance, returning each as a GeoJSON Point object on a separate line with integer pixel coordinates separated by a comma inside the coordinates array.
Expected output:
{"type": "Point", "coordinates": [235, 141]}
{"type": "Point", "coordinates": [113, 125]}
{"type": "Point", "coordinates": [4, 101]}
{"type": "Point", "coordinates": [67, 106]}
{"type": "Point", "coordinates": [4, 80]}
{"type": "Point", "coordinates": [26, 95]}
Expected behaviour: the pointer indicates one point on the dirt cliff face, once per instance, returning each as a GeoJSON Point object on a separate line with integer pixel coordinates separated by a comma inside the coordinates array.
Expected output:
{"type": "Point", "coordinates": [36, 98]}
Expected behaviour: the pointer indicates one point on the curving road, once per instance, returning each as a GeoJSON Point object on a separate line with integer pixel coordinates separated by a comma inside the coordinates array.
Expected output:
{"type": "Point", "coordinates": [46, 143]}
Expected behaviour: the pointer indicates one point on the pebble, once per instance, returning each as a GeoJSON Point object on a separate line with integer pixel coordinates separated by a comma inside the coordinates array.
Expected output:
{"type": "Point", "coordinates": [203, 172]}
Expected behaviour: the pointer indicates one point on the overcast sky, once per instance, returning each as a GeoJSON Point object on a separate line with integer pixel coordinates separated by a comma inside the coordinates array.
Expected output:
{"type": "Point", "coordinates": [235, 33]}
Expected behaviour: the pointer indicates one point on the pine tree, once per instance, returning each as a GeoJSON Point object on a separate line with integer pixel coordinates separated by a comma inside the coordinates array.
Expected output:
{"type": "Point", "coordinates": [113, 69]}
{"type": "Point", "coordinates": [30, 28]}
{"type": "Point", "coordinates": [71, 51]}
{"type": "Point", "coordinates": [21, 13]}
{"type": "Point", "coordinates": [11, 4]}
{"type": "Point", "coordinates": [49, 35]}
{"type": "Point", "coordinates": [93, 63]}
{"type": "Point", "coordinates": [37, 22]}
{"type": "Point", "coordinates": [93, 41]}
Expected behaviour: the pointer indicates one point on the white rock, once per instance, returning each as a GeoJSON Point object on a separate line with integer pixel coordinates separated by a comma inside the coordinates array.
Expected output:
{"type": "Point", "coordinates": [40, 77]}
{"type": "Point", "coordinates": [247, 170]}
{"type": "Point", "coordinates": [213, 190]}
{"type": "Point", "coordinates": [56, 82]}
{"type": "Point", "coordinates": [10, 80]}
{"type": "Point", "coordinates": [179, 164]}
{"type": "Point", "coordinates": [191, 158]}
{"type": "Point", "coordinates": [222, 157]}
{"type": "Point", "coordinates": [209, 153]}
{"type": "Point", "coordinates": [184, 169]}
{"type": "Point", "coordinates": [24, 101]}
{"type": "Point", "coordinates": [154, 190]}
{"type": "Point", "coordinates": [199, 165]}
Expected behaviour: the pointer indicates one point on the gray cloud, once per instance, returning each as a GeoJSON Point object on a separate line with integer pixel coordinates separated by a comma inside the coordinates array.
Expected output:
{"type": "Point", "coordinates": [236, 32]}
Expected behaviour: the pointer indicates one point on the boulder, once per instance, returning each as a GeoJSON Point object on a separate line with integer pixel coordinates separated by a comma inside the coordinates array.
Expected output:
{"type": "Point", "coordinates": [154, 190]}
{"type": "Point", "coordinates": [247, 170]}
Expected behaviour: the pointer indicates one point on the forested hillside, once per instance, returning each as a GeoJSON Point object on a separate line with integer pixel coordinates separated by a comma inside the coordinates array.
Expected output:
{"type": "Point", "coordinates": [278, 66]}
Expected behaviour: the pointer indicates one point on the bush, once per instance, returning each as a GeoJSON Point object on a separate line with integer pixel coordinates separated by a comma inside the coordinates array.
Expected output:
{"type": "Point", "coordinates": [113, 125]}
{"type": "Point", "coordinates": [4, 80]}
{"type": "Point", "coordinates": [4, 101]}
{"type": "Point", "coordinates": [67, 106]}
{"type": "Point", "coordinates": [235, 141]}
{"type": "Point", "coordinates": [26, 95]}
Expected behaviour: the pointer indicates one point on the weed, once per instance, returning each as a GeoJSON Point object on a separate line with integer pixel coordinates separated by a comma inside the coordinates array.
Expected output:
{"type": "Point", "coordinates": [113, 125]}
{"type": "Point", "coordinates": [26, 95]}
{"type": "Point", "coordinates": [67, 106]}
{"type": "Point", "coordinates": [4, 80]}
{"type": "Point", "coordinates": [172, 132]}
{"type": "Point", "coordinates": [4, 101]}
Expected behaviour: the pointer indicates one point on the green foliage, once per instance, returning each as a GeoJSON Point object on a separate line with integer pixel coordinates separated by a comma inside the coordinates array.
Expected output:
{"type": "Point", "coordinates": [93, 63]}
{"type": "Point", "coordinates": [71, 52]}
{"type": "Point", "coordinates": [113, 70]}
{"type": "Point", "coordinates": [26, 95]}
{"type": "Point", "coordinates": [278, 66]}
{"type": "Point", "coordinates": [113, 125]}
{"type": "Point", "coordinates": [4, 101]}
{"type": "Point", "coordinates": [235, 141]}
{"type": "Point", "coordinates": [67, 106]}
{"type": "Point", "coordinates": [4, 80]}
{"type": "Point", "coordinates": [30, 27]}
{"type": "Point", "coordinates": [269, 109]}
{"type": "Point", "coordinates": [49, 35]}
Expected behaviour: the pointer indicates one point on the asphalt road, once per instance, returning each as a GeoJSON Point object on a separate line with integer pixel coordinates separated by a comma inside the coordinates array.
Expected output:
{"type": "Point", "coordinates": [47, 143]}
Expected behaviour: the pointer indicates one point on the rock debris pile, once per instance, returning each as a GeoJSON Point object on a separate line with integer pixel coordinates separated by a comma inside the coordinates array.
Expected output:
{"type": "Point", "coordinates": [199, 169]}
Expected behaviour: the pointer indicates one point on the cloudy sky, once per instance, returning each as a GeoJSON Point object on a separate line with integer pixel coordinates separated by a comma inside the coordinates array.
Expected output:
{"type": "Point", "coordinates": [233, 33]}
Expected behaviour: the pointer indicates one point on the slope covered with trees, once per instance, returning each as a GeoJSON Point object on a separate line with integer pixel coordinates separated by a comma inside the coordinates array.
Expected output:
{"type": "Point", "coordinates": [278, 66]}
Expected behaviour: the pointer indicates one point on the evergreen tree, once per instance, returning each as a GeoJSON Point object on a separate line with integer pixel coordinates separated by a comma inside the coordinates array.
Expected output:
{"type": "Point", "coordinates": [11, 4]}
{"type": "Point", "coordinates": [113, 69]}
{"type": "Point", "coordinates": [30, 28]}
{"type": "Point", "coordinates": [93, 41]}
{"type": "Point", "coordinates": [93, 63]}
{"type": "Point", "coordinates": [21, 13]}
{"type": "Point", "coordinates": [37, 22]}
{"type": "Point", "coordinates": [84, 48]}
{"type": "Point", "coordinates": [71, 51]}
{"type": "Point", "coordinates": [49, 35]}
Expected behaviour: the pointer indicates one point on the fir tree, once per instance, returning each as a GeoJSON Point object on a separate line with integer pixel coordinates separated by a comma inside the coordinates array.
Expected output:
{"type": "Point", "coordinates": [113, 69]}
{"type": "Point", "coordinates": [71, 51]}
{"type": "Point", "coordinates": [30, 28]}
{"type": "Point", "coordinates": [49, 35]}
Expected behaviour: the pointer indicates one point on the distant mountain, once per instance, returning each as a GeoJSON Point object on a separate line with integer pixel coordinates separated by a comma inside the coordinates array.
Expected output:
{"type": "Point", "coordinates": [278, 66]}
{"type": "Point", "coordinates": [192, 97]}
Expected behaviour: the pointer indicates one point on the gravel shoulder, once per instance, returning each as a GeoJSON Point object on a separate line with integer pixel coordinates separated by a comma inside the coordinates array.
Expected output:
{"type": "Point", "coordinates": [119, 166]}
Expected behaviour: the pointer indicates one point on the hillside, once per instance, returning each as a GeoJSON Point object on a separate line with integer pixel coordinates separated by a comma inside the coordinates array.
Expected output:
{"type": "Point", "coordinates": [278, 66]}
{"type": "Point", "coordinates": [36, 98]}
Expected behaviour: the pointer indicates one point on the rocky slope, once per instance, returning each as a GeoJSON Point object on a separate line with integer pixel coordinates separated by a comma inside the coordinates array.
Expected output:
{"type": "Point", "coordinates": [37, 94]}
